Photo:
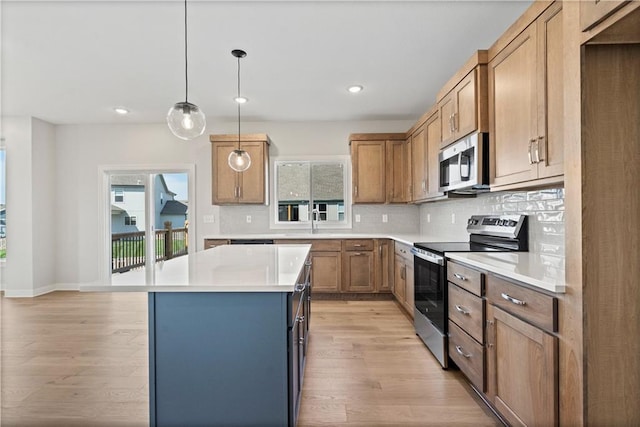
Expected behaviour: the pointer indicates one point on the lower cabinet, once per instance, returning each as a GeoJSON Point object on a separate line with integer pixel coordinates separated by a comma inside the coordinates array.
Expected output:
{"type": "Point", "coordinates": [327, 271]}
{"type": "Point", "coordinates": [358, 271]}
{"type": "Point", "coordinates": [403, 279]}
{"type": "Point", "coordinates": [505, 343]}
{"type": "Point", "coordinates": [212, 243]}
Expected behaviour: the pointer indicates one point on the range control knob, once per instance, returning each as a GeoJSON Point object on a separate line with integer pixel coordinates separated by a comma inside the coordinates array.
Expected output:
{"type": "Point", "coordinates": [500, 222]}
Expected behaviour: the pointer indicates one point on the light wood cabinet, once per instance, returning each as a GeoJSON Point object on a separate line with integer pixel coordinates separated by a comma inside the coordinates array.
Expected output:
{"type": "Point", "coordinates": [358, 271]}
{"type": "Point", "coordinates": [466, 321]}
{"type": "Point", "coordinates": [384, 265]}
{"type": "Point", "coordinates": [403, 280]}
{"type": "Point", "coordinates": [593, 12]}
{"type": "Point", "coordinates": [378, 168]}
{"type": "Point", "coordinates": [462, 102]}
{"type": "Point", "coordinates": [522, 358]}
{"type": "Point", "coordinates": [248, 187]}
{"type": "Point", "coordinates": [212, 243]}
{"type": "Point", "coordinates": [526, 105]}
{"type": "Point", "coordinates": [425, 168]}
{"type": "Point", "coordinates": [326, 274]}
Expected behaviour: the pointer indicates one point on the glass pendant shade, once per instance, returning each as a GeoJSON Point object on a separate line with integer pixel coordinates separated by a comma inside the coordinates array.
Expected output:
{"type": "Point", "coordinates": [239, 160]}
{"type": "Point", "coordinates": [186, 120]}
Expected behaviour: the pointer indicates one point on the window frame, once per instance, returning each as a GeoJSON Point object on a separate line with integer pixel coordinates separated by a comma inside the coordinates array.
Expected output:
{"type": "Point", "coordinates": [274, 222]}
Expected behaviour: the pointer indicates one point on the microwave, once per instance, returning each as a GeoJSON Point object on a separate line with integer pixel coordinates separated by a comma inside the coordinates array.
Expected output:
{"type": "Point", "coordinates": [464, 165]}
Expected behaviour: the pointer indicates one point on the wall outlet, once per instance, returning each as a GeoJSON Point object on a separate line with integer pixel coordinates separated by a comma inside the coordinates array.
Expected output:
{"type": "Point", "coordinates": [208, 219]}
{"type": "Point", "coordinates": [428, 217]}
{"type": "Point", "coordinates": [453, 218]}
{"type": "Point", "coordinates": [357, 217]}
{"type": "Point", "coordinates": [385, 218]}
{"type": "Point", "coordinates": [248, 219]}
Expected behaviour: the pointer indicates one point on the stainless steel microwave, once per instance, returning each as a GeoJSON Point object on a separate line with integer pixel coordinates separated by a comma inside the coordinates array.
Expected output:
{"type": "Point", "coordinates": [464, 165]}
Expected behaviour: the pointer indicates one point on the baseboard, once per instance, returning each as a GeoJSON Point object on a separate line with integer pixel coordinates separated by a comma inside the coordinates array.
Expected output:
{"type": "Point", "coordinates": [28, 293]}
{"type": "Point", "coordinates": [352, 296]}
{"type": "Point", "coordinates": [67, 287]}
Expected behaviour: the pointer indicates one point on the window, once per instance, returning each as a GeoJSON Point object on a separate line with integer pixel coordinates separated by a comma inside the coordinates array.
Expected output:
{"type": "Point", "coordinates": [119, 196]}
{"type": "Point", "coordinates": [129, 220]}
{"type": "Point", "coordinates": [310, 188]}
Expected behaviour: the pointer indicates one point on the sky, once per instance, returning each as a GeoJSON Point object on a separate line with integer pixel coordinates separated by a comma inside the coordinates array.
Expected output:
{"type": "Point", "coordinates": [178, 183]}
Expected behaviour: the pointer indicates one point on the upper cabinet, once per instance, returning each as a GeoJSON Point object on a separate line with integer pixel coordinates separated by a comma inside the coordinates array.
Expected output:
{"type": "Point", "coordinates": [248, 187]}
{"type": "Point", "coordinates": [378, 167]}
{"type": "Point", "coordinates": [526, 105]}
{"type": "Point", "coordinates": [462, 102]}
{"type": "Point", "coordinates": [425, 146]}
{"type": "Point", "coordinates": [593, 12]}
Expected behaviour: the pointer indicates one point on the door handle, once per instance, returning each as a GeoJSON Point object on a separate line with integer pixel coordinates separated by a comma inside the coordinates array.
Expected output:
{"type": "Point", "coordinates": [531, 141]}
{"type": "Point", "coordinates": [538, 142]}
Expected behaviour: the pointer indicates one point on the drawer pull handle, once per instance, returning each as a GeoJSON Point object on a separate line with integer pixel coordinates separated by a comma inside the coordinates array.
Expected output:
{"type": "Point", "coordinates": [512, 299]}
{"type": "Point", "coordinates": [299, 287]}
{"type": "Point", "coordinates": [462, 310]}
{"type": "Point", "coordinates": [357, 245]}
{"type": "Point", "coordinates": [459, 276]}
{"type": "Point", "coordinates": [462, 353]}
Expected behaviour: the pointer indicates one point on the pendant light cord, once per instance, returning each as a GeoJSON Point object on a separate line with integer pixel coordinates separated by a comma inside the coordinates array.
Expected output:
{"type": "Point", "coordinates": [186, 67]}
{"type": "Point", "coordinates": [238, 103]}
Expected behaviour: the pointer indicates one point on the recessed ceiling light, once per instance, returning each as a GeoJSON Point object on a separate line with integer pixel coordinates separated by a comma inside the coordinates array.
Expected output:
{"type": "Point", "coordinates": [241, 100]}
{"type": "Point", "coordinates": [355, 88]}
{"type": "Point", "coordinates": [121, 110]}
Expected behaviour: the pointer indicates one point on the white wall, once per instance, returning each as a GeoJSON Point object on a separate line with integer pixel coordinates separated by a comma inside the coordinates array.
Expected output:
{"type": "Point", "coordinates": [81, 149]}
{"type": "Point", "coordinates": [31, 209]}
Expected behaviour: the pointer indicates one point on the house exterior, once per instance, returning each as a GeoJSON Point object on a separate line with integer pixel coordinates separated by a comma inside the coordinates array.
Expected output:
{"type": "Point", "coordinates": [128, 204]}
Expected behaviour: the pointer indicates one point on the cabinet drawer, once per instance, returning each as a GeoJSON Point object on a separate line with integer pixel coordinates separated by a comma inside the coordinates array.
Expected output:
{"type": "Point", "coordinates": [326, 245]}
{"type": "Point", "coordinates": [532, 306]}
{"type": "Point", "coordinates": [404, 251]}
{"type": "Point", "coordinates": [467, 311]}
{"type": "Point", "coordinates": [465, 277]}
{"type": "Point", "coordinates": [468, 355]}
{"type": "Point", "coordinates": [357, 245]}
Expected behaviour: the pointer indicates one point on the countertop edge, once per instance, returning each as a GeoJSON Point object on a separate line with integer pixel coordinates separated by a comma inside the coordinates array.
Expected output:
{"type": "Point", "coordinates": [532, 281]}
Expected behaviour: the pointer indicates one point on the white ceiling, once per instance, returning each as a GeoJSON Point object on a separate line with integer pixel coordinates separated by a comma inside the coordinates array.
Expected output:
{"type": "Point", "coordinates": [73, 61]}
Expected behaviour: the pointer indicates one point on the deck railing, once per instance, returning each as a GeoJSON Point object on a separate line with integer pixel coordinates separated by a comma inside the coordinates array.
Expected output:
{"type": "Point", "coordinates": [128, 249]}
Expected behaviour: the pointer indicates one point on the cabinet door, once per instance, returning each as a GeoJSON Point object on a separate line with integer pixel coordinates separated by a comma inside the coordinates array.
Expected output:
{"type": "Point", "coordinates": [409, 287]}
{"type": "Point", "coordinates": [419, 168]}
{"type": "Point", "coordinates": [224, 179]}
{"type": "Point", "coordinates": [384, 267]}
{"type": "Point", "coordinates": [594, 11]}
{"type": "Point", "coordinates": [522, 370]}
{"type": "Point", "coordinates": [295, 365]}
{"type": "Point", "coordinates": [212, 243]}
{"type": "Point", "coordinates": [446, 112]}
{"type": "Point", "coordinates": [368, 164]}
{"type": "Point", "coordinates": [465, 117]}
{"type": "Point", "coordinates": [358, 269]}
{"type": "Point", "coordinates": [326, 271]}
{"type": "Point", "coordinates": [513, 110]}
{"type": "Point", "coordinates": [252, 181]}
{"type": "Point", "coordinates": [395, 179]}
{"type": "Point", "coordinates": [408, 174]}
{"type": "Point", "coordinates": [432, 164]}
{"type": "Point", "coordinates": [399, 279]}
{"type": "Point", "coordinates": [549, 148]}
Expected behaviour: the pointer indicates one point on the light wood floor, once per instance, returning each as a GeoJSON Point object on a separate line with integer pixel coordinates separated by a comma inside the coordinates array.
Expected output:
{"type": "Point", "coordinates": [80, 359]}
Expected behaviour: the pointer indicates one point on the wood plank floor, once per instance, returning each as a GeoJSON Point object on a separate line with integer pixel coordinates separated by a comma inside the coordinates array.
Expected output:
{"type": "Point", "coordinates": [80, 359]}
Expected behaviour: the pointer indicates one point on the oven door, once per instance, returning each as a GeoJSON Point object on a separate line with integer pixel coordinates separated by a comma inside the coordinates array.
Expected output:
{"type": "Point", "coordinates": [430, 291]}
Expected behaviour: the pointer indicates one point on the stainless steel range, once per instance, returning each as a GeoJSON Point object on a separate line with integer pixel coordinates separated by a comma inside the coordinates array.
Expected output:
{"type": "Point", "coordinates": [488, 233]}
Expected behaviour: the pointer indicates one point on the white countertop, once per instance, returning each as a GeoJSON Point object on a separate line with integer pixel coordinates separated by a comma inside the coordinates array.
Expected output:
{"type": "Point", "coordinates": [233, 268]}
{"type": "Point", "coordinates": [535, 269]}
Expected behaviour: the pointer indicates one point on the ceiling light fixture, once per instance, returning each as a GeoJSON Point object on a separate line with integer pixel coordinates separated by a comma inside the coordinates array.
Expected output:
{"type": "Point", "coordinates": [185, 119]}
{"type": "Point", "coordinates": [355, 88]}
{"type": "Point", "coordinates": [239, 160]}
{"type": "Point", "coordinates": [121, 110]}
{"type": "Point", "coordinates": [241, 99]}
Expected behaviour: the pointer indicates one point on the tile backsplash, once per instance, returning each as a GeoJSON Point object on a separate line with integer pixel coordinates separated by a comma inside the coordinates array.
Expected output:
{"type": "Point", "coordinates": [544, 207]}
{"type": "Point", "coordinates": [434, 220]}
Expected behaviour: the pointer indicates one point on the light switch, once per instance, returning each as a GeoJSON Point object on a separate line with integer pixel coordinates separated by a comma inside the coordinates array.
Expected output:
{"type": "Point", "coordinates": [248, 219]}
{"type": "Point", "coordinates": [385, 218]}
{"type": "Point", "coordinates": [357, 217]}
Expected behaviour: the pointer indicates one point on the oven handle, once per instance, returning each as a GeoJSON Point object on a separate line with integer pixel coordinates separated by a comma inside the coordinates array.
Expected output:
{"type": "Point", "coordinates": [428, 256]}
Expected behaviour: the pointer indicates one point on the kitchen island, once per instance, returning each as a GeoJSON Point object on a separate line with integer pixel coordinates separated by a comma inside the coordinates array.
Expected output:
{"type": "Point", "coordinates": [228, 345]}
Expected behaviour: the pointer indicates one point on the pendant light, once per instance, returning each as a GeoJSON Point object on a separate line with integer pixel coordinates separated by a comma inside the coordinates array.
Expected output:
{"type": "Point", "coordinates": [185, 119]}
{"type": "Point", "coordinates": [239, 160]}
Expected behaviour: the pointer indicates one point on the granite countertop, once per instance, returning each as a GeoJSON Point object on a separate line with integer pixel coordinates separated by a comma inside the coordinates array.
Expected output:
{"type": "Point", "coordinates": [229, 268]}
{"type": "Point", "coordinates": [535, 269]}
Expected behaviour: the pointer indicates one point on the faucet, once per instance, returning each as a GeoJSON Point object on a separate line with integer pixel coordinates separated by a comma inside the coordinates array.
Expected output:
{"type": "Point", "coordinates": [314, 219]}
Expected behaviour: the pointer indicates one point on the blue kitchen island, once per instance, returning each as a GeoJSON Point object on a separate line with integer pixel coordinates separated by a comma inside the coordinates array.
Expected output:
{"type": "Point", "coordinates": [228, 347]}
